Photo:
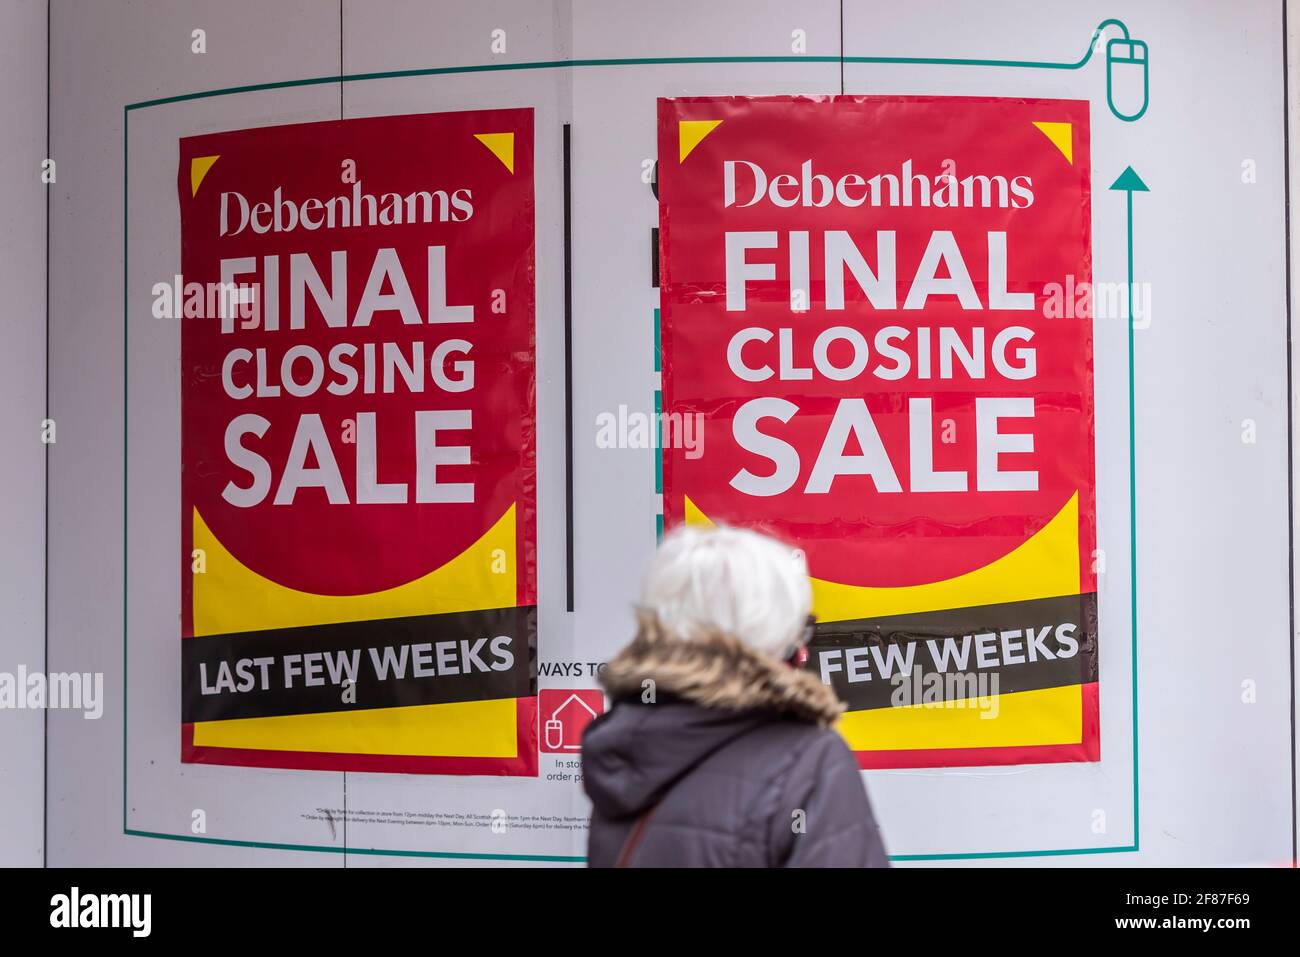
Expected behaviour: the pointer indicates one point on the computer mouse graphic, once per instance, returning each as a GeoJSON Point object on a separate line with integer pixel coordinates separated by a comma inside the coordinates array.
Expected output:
{"type": "Point", "coordinates": [1126, 78]}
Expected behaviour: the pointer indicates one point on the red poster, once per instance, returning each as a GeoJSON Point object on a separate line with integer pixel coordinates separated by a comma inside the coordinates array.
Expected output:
{"type": "Point", "coordinates": [861, 304]}
{"type": "Point", "coordinates": [358, 563]}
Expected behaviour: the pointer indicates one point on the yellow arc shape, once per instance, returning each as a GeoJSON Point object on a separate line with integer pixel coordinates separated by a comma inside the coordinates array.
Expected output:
{"type": "Point", "coordinates": [231, 597]}
{"type": "Point", "coordinates": [1044, 566]}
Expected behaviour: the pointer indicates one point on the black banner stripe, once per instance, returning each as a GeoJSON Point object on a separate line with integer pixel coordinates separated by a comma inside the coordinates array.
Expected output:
{"type": "Point", "coordinates": [361, 665]}
{"type": "Point", "coordinates": [958, 653]}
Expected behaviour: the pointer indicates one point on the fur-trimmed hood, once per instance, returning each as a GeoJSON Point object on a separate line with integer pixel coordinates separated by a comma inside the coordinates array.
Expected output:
{"type": "Point", "coordinates": [719, 672]}
{"type": "Point", "coordinates": [707, 693]}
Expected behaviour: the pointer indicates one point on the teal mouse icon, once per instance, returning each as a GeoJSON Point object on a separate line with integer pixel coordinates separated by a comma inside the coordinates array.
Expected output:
{"type": "Point", "coordinates": [1125, 60]}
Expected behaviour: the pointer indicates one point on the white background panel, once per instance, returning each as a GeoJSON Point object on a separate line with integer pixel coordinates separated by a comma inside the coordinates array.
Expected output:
{"type": "Point", "coordinates": [1212, 559]}
{"type": "Point", "coordinates": [105, 57]}
{"type": "Point", "coordinates": [22, 396]}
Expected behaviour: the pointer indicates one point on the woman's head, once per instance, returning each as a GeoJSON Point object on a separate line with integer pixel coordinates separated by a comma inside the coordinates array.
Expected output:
{"type": "Point", "coordinates": [706, 580]}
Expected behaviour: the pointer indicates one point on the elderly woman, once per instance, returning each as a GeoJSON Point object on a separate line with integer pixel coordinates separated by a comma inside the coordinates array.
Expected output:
{"type": "Point", "coordinates": [718, 750]}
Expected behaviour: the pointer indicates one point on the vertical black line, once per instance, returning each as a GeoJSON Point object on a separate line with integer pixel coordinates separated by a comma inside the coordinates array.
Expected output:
{"type": "Point", "coordinates": [568, 372]}
{"type": "Point", "coordinates": [45, 743]}
{"type": "Point", "coordinates": [841, 47]}
{"type": "Point", "coordinates": [1290, 394]}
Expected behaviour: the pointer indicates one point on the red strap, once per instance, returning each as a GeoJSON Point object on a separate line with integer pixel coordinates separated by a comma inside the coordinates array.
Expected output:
{"type": "Point", "coordinates": [634, 839]}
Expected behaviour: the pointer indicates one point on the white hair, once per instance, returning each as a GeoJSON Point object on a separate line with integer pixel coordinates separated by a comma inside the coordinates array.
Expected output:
{"type": "Point", "coordinates": [719, 579]}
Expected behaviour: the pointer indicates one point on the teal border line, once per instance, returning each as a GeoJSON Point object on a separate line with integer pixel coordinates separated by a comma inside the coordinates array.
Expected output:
{"type": "Point", "coordinates": [649, 61]}
{"type": "Point", "coordinates": [372, 851]}
{"type": "Point", "coordinates": [567, 64]}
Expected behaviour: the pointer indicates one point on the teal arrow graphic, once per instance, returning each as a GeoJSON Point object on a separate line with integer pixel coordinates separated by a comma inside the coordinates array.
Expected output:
{"type": "Point", "coordinates": [1129, 182]}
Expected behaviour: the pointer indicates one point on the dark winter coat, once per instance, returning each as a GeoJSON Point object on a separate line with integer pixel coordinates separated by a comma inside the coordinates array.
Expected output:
{"type": "Point", "coordinates": [733, 765]}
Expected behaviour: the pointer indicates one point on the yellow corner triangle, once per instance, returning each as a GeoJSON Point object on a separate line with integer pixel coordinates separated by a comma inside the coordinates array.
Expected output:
{"type": "Point", "coordinates": [1062, 137]}
{"type": "Point", "coordinates": [199, 167]}
{"type": "Point", "coordinates": [690, 133]}
{"type": "Point", "coordinates": [502, 146]}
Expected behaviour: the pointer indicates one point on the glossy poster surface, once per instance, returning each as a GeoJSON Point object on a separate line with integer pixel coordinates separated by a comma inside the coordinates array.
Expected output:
{"type": "Point", "coordinates": [876, 309]}
{"type": "Point", "coordinates": [358, 563]}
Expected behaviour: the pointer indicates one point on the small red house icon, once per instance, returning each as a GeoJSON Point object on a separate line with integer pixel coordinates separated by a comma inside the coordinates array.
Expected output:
{"type": "Point", "coordinates": [565, 714]}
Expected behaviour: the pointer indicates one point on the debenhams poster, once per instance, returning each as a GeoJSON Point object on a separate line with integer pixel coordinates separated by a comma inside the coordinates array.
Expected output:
{"type": "Point", "coordinates": [856, 304]}
{"type": "Point", "coordinates": [358, 564]}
